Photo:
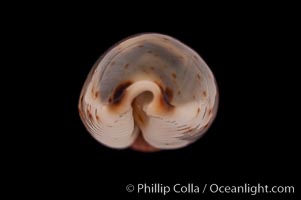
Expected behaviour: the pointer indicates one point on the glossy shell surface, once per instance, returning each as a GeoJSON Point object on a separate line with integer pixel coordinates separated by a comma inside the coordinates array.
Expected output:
{"type": "Point", "coordinates": [151, 92]}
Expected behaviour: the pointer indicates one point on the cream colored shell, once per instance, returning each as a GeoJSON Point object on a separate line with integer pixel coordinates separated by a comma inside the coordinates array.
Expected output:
{"type": "Point", "coordinates": [149, 84]}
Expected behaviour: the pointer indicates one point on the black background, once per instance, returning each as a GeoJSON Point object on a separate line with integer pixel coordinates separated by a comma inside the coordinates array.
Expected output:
{"type": "Point", "coordinates": [253, 139]}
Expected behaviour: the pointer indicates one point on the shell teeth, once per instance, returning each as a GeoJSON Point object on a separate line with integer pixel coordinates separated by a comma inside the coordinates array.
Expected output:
{"type": "Point", "coordinates": [114, 130]}
{"type": "Point", "coordinates": [162, 132]}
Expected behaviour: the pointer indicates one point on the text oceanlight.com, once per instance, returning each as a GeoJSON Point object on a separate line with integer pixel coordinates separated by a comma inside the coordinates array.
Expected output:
{"type": "Point", "coordinates": [192, 188]}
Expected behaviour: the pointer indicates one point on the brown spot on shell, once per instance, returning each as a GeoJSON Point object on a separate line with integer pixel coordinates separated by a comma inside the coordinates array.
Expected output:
{"type": "Point", "coordinates": [183, 129]}
{"type": "Point", "coordinates": [181, 57]}
{"type": "Point", "coordinates": [198, 111]}
{"type": "Point", "coordinates": [141, 46]}
{"type": "Point", "coordinates": [90, 115]}
{"type": "Point", "coordinates": [166, 97]}
{"type": "Point", "coordinates": [210, 111]}
{"type": "Point", "coordinates": [96, 94]}
{"type": "Point", "coordinates": [169, 94]}
{"type": "Point", "coordinates": [119, 92]}
{"type": "Point", "coordinates": [204, 93]}
{"type": "Point", "coordinates": [166, 39]}
{"type": "Point", "coordinates": [204, 112]}
{"type": "Point", "coordinates": [194, 97]}
{"type": "Point", "coordinates": [126, 66]}
{"type": "Point", "coordinates": [145, 71]}
{"type": "Point", "coordinates": [113, 63]}
{"type": "Point", "coordinates": [165, 103]}
{"type": "Point", "coordinates": [174, 75]}
{"type": "Point", "coordinates": [179, 92]}
{"type": "Point", "coordinates": [97, 118]}
{"type": "Point", "coordinates": [152, 68]}
{"type": "Point", "coordinates": [149, 51]}
{"type": "Point", "coordinates": [199, 76]}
